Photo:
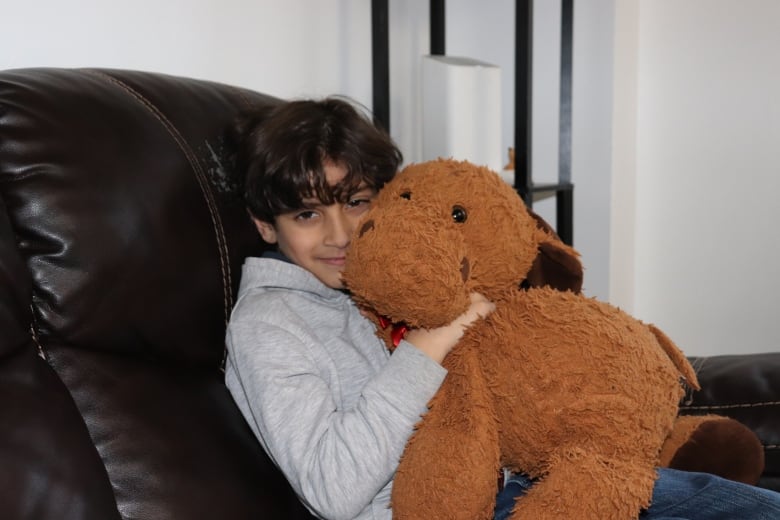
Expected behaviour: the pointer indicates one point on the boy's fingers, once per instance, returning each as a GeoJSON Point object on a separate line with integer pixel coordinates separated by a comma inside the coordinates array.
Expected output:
{"type": "Point", "coordinates": [480, 307]}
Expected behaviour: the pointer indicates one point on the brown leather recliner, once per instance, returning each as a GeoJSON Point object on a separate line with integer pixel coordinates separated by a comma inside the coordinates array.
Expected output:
{"type": "Point", "coordinates": [121, 240]}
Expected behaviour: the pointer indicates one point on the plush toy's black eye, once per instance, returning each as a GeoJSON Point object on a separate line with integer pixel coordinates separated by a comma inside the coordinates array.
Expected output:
{"type": "Point", "coordinates": [406, 195]}
{"type": "Point", "coordinates": [459, 214]}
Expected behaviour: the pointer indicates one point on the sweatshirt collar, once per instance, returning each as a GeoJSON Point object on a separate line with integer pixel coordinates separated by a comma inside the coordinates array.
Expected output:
{"type": "Point", "coordinates": [276, 271]}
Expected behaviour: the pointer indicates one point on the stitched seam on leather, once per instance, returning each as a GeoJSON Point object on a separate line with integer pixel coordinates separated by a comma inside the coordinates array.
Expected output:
{"type": "Point", "coordinates": [34, 335]}
{"type": "Point", "coordinates": [202, 182]}
{"type": "Point", "coordinates": [698, 364]}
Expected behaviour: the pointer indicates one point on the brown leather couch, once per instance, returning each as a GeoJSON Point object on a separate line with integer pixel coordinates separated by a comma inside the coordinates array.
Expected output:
{"type": "Point", "coordinates": [121, 241]}
{"type": "Point", "coordinates": [747, 388]}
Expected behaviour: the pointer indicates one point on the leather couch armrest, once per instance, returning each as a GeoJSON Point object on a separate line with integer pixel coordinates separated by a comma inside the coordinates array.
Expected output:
{"type": "Point", "coordinates": [747, 388]}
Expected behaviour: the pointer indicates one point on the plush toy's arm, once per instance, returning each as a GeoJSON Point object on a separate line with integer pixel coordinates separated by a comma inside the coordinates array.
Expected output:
{"type": "Point", "coordinates": [450, 465]}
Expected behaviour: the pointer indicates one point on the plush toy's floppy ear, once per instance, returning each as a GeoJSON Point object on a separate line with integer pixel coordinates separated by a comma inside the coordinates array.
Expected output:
{"type": "Point", "coordinates": [556, 265]}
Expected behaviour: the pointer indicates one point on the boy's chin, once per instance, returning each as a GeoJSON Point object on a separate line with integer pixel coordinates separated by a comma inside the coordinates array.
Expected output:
{"type": "Point", "coordinates": [334, 282]}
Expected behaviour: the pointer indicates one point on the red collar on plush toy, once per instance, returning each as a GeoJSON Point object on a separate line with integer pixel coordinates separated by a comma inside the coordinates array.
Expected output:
{"type": "Point", "coordinates": [398, 332]}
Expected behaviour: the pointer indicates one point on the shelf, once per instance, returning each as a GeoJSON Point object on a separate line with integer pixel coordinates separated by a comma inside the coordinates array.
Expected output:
{"type": "Point", "coordinates": [563, 189]}
{"type": "Point", "coordinates": [552, 187]}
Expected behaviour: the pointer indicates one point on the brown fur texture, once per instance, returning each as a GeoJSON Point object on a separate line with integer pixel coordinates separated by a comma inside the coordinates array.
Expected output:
{"type": "Point", "coordinates": [563, 387]}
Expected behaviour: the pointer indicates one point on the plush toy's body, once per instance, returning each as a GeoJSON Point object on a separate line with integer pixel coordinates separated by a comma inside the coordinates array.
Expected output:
{"type": "Point", "coordinates": [591, 397]}
{"type": "Point", "coordinates": [552, 383]}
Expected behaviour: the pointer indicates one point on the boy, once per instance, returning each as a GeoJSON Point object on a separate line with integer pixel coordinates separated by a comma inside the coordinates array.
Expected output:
{"type": "Point", "coordinates": [319, 389]}
{"type": "Point", "coordinates": [323, 396]}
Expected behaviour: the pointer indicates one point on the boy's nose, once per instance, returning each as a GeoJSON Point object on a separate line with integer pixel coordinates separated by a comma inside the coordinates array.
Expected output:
{"type": "Point", "coordinates": [339, 231]}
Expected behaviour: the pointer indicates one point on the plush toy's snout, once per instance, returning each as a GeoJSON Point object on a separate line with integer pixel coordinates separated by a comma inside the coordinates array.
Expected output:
{"type": "Point", "coordinates": [465, 266]}
{"type": "Point", "coordinates": [394, 260]}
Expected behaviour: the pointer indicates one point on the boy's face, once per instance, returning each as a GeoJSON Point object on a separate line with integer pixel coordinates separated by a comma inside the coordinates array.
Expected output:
{"type": "Point", "coordinates": [317, 238]}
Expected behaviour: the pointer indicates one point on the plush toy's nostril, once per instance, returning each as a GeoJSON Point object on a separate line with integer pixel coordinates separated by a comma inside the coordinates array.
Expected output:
{"type": "Point", "coordinates": [368, 226]}
{"type": "Point", "coordinates": [465, 268]}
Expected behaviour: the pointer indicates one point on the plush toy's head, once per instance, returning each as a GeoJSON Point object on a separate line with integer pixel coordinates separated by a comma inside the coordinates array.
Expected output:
{"type": "Point", "coordinates": [470, 232]}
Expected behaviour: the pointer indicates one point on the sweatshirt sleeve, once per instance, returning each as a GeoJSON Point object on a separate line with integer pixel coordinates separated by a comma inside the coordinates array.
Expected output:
{"type": "Point", "coordinates": [336, 460]}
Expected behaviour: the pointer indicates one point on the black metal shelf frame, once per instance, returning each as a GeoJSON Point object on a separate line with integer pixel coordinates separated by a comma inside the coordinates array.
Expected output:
{"type": "Point", "coordinates": [563, 189]}
{"type": "Point", "coordinates": [380, 63]}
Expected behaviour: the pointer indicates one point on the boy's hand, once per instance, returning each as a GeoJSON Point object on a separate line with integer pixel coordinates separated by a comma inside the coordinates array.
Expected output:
{"type": "Point", "coordinates": [437, 343]}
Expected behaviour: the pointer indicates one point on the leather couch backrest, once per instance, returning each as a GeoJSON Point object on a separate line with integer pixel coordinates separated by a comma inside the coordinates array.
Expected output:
{"type": "Point", "coordinates": [121, 241]}
{"type": "Point", "coordinates": [119, 198]}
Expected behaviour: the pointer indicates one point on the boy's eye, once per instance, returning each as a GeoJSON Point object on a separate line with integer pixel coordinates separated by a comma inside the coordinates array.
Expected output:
{"type": "Point", "coordinates": [353, 203]}
{"type": "Point", "coordinates": [305, 215]}
{"type": "Point", "coordinates": [361, 198]}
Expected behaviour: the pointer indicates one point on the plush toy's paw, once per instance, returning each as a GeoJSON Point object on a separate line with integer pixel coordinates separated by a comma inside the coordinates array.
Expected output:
{"type": "Point", "coordinates": [716, 445]}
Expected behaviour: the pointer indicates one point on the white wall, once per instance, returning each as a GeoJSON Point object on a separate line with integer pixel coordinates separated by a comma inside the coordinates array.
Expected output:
{"type": "Point", "coordinates": [695, 117]}
{"type": "Point", "coordinates": [707, 173]}
{"type": "Point", "coordinates": [592, 139]}
{"type": "Point", "coordinates": [624, 132]}
{"type": "Point", "coordinates": [283, 47]}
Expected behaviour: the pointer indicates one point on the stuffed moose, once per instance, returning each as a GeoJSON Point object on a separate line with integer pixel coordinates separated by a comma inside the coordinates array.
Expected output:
{"type": "Point", "coordinates": [568, 389]}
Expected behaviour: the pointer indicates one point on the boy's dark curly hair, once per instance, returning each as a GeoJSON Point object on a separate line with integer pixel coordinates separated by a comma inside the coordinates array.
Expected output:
{"type": "Point", "coordinates": [282, 149]}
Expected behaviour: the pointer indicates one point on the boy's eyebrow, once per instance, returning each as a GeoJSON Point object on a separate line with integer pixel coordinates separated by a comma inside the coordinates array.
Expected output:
{"type": "Point", "coordinates": [310, 203]}
{"type": "Point", "coordinates": [314, 202]}
{"type": "Point", "coordinates": [362, 187]}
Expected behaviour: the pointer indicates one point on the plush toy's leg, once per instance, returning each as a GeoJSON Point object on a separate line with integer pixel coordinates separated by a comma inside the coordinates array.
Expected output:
{"type": "Point", "coordinates": [582, 485]}
{"type": "Point", "coordinates": [579, 485]}
{"type": "Point", "coordinates": [714, 444]}
{"type": "Point", "coordinates": [450, 466]}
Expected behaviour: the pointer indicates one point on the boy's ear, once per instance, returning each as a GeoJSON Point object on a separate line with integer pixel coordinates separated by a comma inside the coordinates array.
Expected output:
{"type": "Point", "coordinates": [266, 230]}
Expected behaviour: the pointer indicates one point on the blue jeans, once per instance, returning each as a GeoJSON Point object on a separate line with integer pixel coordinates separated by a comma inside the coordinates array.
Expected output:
{"type": "Point", "coordinates": [679, 495]}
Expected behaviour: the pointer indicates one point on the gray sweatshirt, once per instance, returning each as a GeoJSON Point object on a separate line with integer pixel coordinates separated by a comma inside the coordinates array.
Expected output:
{"type": "Point", "coordinates": [320, 391]}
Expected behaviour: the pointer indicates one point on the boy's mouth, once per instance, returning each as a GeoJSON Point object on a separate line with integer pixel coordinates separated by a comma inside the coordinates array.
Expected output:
{"type": "Point", "coordinates": [337, 261]}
